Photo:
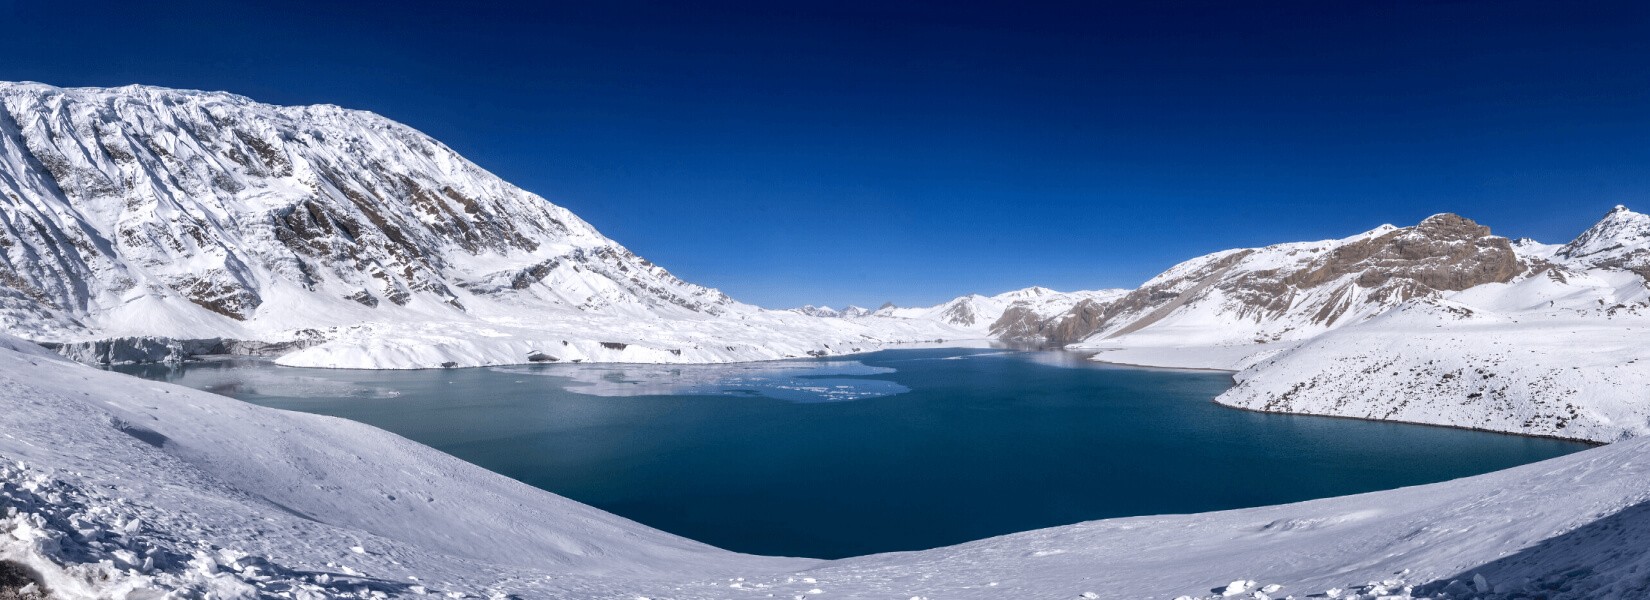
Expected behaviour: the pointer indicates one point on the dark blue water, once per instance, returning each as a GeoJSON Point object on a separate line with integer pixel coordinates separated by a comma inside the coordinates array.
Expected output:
{"type": "Point", "coordinates": [896, 450]}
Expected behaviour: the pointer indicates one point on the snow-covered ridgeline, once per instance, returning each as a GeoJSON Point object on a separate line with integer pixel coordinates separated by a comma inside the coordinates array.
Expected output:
{"type": "Point", "coordinates": [113, 487]}
{"type": "Point", "coordinates": [1294, 291]}
{"type": "Point", "coordinates": [150, 212]}
{"type": "Point", "coordinates": [1001, 316]}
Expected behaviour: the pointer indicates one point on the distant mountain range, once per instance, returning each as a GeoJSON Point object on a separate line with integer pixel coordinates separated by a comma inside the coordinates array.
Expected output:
{"type": "Point", "coordinates": [1291, 291]}
{"type": "Point", "coordinates": [1015, 315]}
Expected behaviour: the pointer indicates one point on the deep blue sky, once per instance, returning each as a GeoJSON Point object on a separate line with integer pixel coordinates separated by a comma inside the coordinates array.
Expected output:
{"type": "Point", "coordinates": [838, 152]}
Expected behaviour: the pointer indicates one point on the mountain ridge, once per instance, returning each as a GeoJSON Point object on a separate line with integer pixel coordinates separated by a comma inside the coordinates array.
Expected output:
{"type": "Point", "coordinates": [149, 212]}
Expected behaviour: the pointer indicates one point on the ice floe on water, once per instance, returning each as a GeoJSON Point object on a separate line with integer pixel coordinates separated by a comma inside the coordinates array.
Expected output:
{"type": "Point", "coordinates": [811, 381]}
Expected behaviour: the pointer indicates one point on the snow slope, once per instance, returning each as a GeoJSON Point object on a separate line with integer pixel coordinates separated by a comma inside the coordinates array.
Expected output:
{"type": "Point", "coordinates": [162, 480]}
{"type": "Point", "coordinates": [1560, 355]}
{"type": "Point", "coordinates": [142, 211]}
{"type": "Point", "coordinates": [114, 487]}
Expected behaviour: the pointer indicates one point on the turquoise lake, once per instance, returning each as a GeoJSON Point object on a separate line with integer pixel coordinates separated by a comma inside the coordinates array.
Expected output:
{"type": "Point", "coordinates": [893, 450]}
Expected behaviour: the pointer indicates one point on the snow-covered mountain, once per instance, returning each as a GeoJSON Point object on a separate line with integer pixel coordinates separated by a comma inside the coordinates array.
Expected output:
{"type": "Point", "coordinates": [1621, 240]}
{"type": "Point", "coordinates": [848, 312]}
{"type": "Point", "coordinates": [190, 213]}
{"type": "Point", "coordinates": [141, 211]}
{"type": "Point", "coordinates": [1559, 352]}
{"type": "Point", "coordinates": [983, 313]}
{"type": "Point", "coordinates": [1294, 291]}
{"type": "Point", "coordinates": [1046, 317]}
{"type": "Point", "coordinates": [1448, 327]}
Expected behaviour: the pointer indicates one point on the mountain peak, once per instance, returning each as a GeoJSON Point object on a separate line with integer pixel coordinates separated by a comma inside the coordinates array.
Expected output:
{"type": "Point", "coordinates": [1451, 226]}
{"type": "Point", "coordinates": [1621, 239]}
{"type": "Point", "coordinates": [1035, 291]}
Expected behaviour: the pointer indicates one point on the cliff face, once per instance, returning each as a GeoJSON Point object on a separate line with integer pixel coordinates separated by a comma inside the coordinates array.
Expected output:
{"type": "Point", "coordinates": [1025, 323]}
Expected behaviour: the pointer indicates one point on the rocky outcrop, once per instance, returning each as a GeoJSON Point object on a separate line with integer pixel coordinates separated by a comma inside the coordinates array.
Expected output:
{"type": "Point", "coordinates": [1075, 324]}
{"type": "Point", "coordinates": [1019, 323]}
{"type": "Point", "coordinates": [1293, 291]}
{"type": "Point", "coordinates": [1022, 322]}
{"type": "Point", "coordinates": [1444, 252]}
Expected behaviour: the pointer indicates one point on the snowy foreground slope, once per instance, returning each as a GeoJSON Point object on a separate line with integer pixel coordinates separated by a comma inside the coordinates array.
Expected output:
{"type": "Point", "coordinates": [114, 487]}
{"type": "Point", "coordinates": [150, 212]}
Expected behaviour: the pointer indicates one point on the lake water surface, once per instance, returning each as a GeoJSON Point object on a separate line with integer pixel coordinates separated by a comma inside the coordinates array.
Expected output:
{"type": "Point", "coordinates": [894, 450]}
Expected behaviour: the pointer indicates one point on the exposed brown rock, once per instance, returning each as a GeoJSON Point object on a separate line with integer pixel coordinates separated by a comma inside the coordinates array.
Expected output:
{"type": "Point", "coordinates": [1445, 252]}
{"type": "Point", "coordinates": [214, 293]}
{"type": "Point", "coordinates": [1442, 253]}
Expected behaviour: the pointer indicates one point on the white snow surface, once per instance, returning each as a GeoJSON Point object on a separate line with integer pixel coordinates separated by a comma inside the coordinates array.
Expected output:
{"type": "Point", "coordinates": [114, 487]}
{"type": "Point", "coordinates": [1577, 372]}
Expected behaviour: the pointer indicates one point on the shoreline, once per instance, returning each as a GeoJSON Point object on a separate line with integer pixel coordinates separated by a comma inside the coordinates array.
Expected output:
{"type": "Point", "coordinates": [1157, 367]}
{"type": "Point", "coordinates": [1088, 356]}
{"type": "Point", "coordinates": [1589, 443]}
{"type": "Point", "coordinates": [186, 357]}
{"type": "Point", "coordinates": [1216, 400]}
